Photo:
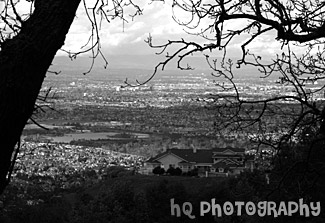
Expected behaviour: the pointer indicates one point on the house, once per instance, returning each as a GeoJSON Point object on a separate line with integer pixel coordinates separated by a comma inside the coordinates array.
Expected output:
{"type": "Point", "coordinates": [208, 162]}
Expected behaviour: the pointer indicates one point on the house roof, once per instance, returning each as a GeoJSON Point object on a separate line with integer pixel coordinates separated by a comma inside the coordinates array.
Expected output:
{"type": "Point", "coordinates": [152, 160]}
{"type": "Point", "coordinates": [227, 163]}
{"type": "Point", "coordinates": [187, 155]}
{"type": "Point", "coordinates": [185, 163]}
{"type": "Point", "coordinates": [229, 150]}
{"type": "Point", "coordinates": [220, 165]}
{"type": "Point", "coordinates": [200, 156]}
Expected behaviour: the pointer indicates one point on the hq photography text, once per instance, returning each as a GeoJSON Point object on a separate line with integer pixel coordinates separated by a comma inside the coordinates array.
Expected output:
{"type": "Point", "coordinates": [262, 208]}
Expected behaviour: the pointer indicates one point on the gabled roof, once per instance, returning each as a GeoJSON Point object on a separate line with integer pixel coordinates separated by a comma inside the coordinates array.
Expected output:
{"type": "Point", "coordinates": [188, 155]}
{"type": "Point", "coordinates": [227, 163]}
{"type": "Point", "coordinates": [200, 156]}
{"type": "Point", "coordinates": [220, 165]}
{"type": "Point", "coordinates": [152, 160]}
{"type": "Point", "coordinates": [185, 163]}
{"type": "Point", "coordinates": [228, 152]}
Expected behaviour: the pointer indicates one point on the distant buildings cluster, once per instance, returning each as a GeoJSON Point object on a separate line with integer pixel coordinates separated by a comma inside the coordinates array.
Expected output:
{"type": "Point", "coordinates": [68, 164]}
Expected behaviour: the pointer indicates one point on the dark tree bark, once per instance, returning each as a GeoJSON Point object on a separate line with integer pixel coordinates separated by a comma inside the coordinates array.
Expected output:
{"type": "Point", "coordinates": [24, 61]}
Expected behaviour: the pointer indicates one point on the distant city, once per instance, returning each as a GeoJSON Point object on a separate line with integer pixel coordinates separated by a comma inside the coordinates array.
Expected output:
{"type": "Point", "coordinates": [169, 110]}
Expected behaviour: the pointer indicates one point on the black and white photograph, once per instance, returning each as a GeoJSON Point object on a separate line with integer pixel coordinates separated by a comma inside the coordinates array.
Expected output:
{"type": "Point", "coordinates": [162, 111]}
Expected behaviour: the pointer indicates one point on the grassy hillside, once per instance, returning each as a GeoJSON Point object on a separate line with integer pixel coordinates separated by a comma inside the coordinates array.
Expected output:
{"type": "Point", "coordinates": [124, 197]}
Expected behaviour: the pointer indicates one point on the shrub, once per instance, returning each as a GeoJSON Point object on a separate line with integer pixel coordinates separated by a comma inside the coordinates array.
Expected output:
{"type": "Point", "coordinates": [158, 170]}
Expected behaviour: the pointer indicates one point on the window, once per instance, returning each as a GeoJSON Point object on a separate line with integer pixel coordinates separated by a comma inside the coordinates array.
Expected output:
{"type": "Point", "coordinates": [220, 170]}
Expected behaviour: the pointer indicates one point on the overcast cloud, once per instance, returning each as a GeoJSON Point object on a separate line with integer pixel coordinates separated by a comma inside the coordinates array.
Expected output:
{"type": "Point", "coordinates": [118, 37]}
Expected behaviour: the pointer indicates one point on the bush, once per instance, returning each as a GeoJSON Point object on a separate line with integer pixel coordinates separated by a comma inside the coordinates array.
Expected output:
{"type": "Point", "coordinates": [193, 172]}
{"type": "Point", "coordinates": [158, 170]}
{"type": "Point", "coordinates": [178, 171]}
{"type": "Point", "coordinates": [174, 172]}
{"type": "Point", "coordinates": [117, 171]}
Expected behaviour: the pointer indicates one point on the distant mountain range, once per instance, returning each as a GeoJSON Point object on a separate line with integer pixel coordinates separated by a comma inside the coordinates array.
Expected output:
{"type": "Point", "coordinates": [137, 64]}
{"type": "Point", "coordinates": [146, 62]}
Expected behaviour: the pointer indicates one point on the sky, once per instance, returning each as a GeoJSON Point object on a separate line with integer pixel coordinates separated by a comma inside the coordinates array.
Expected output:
{"type": "Point", "coordinates": [128, 38]}
{"type": "Point", "coordinates": [118, 37]}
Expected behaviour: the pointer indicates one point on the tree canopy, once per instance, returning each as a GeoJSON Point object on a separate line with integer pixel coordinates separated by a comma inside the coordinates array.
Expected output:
{"type": "Point", "coordinates": [298, 27]}
{"type": "Point", "coordinates": [29, 40]}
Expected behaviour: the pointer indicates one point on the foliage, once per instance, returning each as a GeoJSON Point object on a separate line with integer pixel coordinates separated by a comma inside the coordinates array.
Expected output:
{"type": "Point", "coordinates": [128, 199]}
{"type": "Point", "coordinates": [33, 36]}
{"type": "Point", "coordinates": [174, 171]}
{"type": "Point", "coordinates": [117, 171]}
{"type": "Point", "coordinates": [158, 170]}
{"type": "Point", "coordinates": [298, 29]}
{"type": "Point", "coordinates": [193, 172]}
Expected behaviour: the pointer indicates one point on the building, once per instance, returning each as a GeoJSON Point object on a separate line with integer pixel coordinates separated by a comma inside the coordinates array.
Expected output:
{"type": "Point", "coordinates": [208, 162]}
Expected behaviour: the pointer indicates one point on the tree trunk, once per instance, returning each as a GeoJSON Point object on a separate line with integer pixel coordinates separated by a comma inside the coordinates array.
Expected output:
{"type": "Point", "coordinates": [24, 61]}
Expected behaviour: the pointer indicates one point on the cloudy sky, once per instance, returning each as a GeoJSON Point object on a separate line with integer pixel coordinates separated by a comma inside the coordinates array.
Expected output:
{"type": "Point", "coordinates": [128, 37]}
{"type": "Point", "coordinates": [118, 37]}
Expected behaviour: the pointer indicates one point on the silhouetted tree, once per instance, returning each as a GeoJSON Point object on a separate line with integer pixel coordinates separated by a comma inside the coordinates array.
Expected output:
{"type": "Point", "coordinates": [28, 44]}
{"type": "Point", "coordinates": [292, 23]}
{"type": "Point", "coordinates": [298, 26]}
{"type": "Point", "coordinates": [33, 39]}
